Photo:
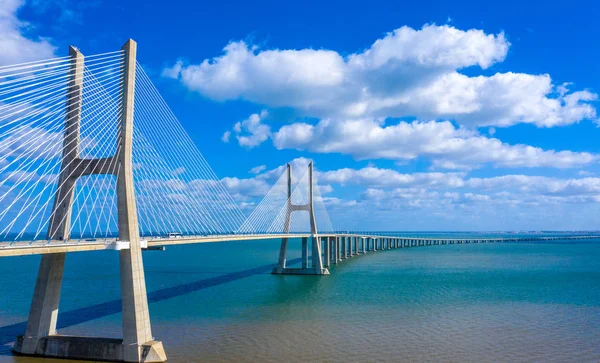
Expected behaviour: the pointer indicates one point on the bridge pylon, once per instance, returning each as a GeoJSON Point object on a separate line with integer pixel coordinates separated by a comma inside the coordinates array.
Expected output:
{"type": "Point", "coordinates": [40, 336]}
{"type": "Point", "coordinates": [316, 267]}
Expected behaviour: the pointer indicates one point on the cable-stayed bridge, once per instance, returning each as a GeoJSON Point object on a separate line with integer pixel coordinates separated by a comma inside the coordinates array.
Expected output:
{"type": "Point", "coordinates": [92, 158]}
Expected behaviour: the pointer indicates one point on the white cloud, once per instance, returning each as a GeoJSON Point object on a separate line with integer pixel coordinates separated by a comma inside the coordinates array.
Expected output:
{"type": "Point", "coordinates": [584, 173]}
{"type": "Point", "coordinates": [448, 147]}
{"type": "Point", "coordinates": [408, 72]}
{"type": "Point", "coordinates": [251, 132]}
{"type": "Point", "coordinates": [259, 185]}
{"type": "Point", "coordinates": [16, 47]}
{"type": "Point", "coordinates": [433, 46]}
{"type": "Point", "coordinates": [258, 169]}
{"type": "Point", "coordinates": [377, 180]}
{"type": "Point", "coordinates": [446, 201]}
{"type": "Point", "coordinates": [173, 72]}
{"type": "Point", "coordinates": [226, 136]}
{"type": "Point", "coordinates": [539, 185]}
{"type": "Point", "coordinates": [376, 177]}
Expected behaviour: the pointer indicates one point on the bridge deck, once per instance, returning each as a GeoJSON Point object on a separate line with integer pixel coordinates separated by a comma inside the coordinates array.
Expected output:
{"type": "Point", "coordinates": [45, 247]}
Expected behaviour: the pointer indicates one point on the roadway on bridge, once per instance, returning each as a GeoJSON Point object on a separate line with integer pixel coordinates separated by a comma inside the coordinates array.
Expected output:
{"type": "Point", "coordinates": [23, 248]}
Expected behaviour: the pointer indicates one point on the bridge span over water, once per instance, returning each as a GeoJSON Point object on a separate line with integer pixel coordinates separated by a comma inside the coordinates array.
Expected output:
{"type": "Point", "coordinates": [342, 245]}
{"type": "Point", "coordinates": [92, 158]}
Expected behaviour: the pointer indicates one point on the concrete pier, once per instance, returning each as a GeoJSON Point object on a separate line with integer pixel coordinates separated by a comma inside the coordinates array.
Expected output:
{"type": "Point", "coordinates": [304, 252]}
{"type": "Point", "coordinates": [40, 336]}
{"type": "Point", "coordinates": [316, 267]}
{"type": "Point", "coordinates": [327, 251]}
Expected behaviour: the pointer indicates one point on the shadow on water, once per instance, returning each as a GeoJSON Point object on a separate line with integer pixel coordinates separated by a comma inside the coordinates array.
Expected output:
{"type": "Point", "coordinates": [8, 333]}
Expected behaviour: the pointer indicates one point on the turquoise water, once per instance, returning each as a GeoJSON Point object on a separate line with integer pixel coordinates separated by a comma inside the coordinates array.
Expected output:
{"type": "Point", "coordinates": [524, 302]}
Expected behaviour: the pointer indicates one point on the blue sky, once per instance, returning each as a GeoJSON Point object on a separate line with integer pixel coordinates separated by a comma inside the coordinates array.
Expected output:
{"type": "Point", "coordinates": [419, 116]}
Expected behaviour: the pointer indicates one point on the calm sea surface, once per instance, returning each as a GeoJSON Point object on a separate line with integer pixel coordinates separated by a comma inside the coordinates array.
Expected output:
{"type": "Point", "coordinates": [517, 302]}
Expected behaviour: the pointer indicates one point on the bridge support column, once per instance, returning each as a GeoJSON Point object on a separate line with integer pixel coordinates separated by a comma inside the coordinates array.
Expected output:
{"type": "Point", "coordinates": [348, 247]}
{"type": "Point", "coordinates": [332, 249]}
{"type": "Point", "coordinates": [44, 305]}
{"type": "Point", "coordinates": [327, 253]}
{"type": "Point", "coordinates": [304, 252]}
{"type": "Point", "coordinates": [41, 337]}
{"type": "Point", "coordinates": [344, 250]}
{"type": "Point", "coordinates": [316, 267]}
{"type": "Point", "coordinates": [348, 251]}
{"type": "Point", "coordinates": [356, 245]}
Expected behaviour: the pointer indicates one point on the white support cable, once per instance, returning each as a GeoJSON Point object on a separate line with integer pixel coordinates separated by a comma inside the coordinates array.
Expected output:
{"type": "Point", "coordinates": [87, 195]}
{"type": "Point", "coordinates": [25, 206]}
{"type": "Point", "coordinates": [56, 99]}
{"type": "Point", "coordinates": [113, 165]}
{"type": "Point", "coordinates": [111, 180]}
{"type": "Point", "coordinates": [56, 176]}
{"type": "Point", "coordinates": [108, 143]}
{"type": "Point", "coordinates": [271, 203]}
{"type": "Point", "coordinates": [296, 193]}
{"type": "Point", "coordinates": [33, 64]}
{"type": "Point", "coordinates": [166, 168]}
{"type": "Point", "coordinates": [147, 146]}
{"type": "Point", "coordinates": [321, 214]}
{"type": "Point", "coordinates": [29, 163]}
{"type": "Point", "coordinates": [115, 204]}
{"type": "Point", "coordinates": [66, 179]}
{"type": "Point", "coordinates": [164, 179]}
{"type": "Point", "coordinates": [201, 190]}
{"type": "Point", "coordinates": [20, 179]}
{"type": "Point", "coordinates": [151, 176]}
{"type": "Point", "coordinates": [15, 85]}
{"type": "Point", "coordinates": [269, 208]}
{"type": "Point", "coordinates": [48, 74]}
{"type": "Point", "coordinates": [59, 66]}
{"type": "Point", "coordinates": [61, 102]}
{"type": "Point", "coordinates": [183, 136]}
{"type": "Point", "coordinates": [156, 119]}
{"type": "Point", "coordinates": [63, 182]}
{"type": "Point", "coordinates": [249, 223]}
{"type": "Point", "coordinates": [146, 198]}
{"type": "Point", "coordinates": [39, 63]}
{"type": "Point", "coordinates": [58, 82]}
